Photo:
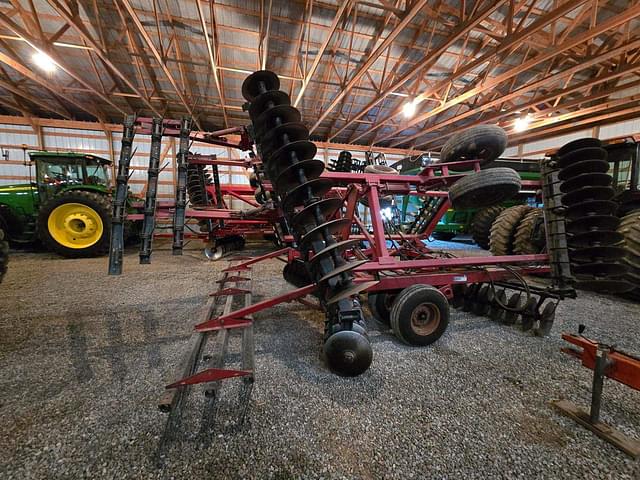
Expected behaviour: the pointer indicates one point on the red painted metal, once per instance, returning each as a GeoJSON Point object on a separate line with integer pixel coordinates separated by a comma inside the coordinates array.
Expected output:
{"type": "Point", "coordinates": [252, 260]}
{"type": "Point", "coordinates": [209, 375]}
{"type": "Point", "coordinates": [256, 307]}
{"type": "Point", "coordinates": [622, 368]}
{"type": "Point", "coordinates": [225, 322]}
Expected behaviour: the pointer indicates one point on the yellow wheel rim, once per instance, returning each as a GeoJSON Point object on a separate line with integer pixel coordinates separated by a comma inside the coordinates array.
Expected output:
{"type": "Point", "coordinates": [75, 225]}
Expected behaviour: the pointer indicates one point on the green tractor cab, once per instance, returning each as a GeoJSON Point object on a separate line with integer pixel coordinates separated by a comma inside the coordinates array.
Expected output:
{"type": "Point", "coordinates": [67, 207]}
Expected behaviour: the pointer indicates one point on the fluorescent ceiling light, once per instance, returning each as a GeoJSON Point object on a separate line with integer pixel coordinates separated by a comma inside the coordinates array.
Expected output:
{"type": "Point", "coordinates": [409, 108]}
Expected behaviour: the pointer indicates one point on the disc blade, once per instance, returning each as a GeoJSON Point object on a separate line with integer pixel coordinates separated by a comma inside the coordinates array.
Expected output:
{"type": "Point", "coordinates": [586, 180]}
{"type": "Point", "coordinates": [352, 290]}
{"type": "Point", "coordinates": [334, 249]}
{"type": "Point", "coordinates": [595, 207]}
{"type": "Point", "coordinates": [267, 100]}
{"type": "Point", "coordinates": [251, 85]}
{"type": "Point", "coordinates": [593, 222]}
{"type": "Point", "coordinates": [300, 195]}
{"type": "Point", "coordinates": [605, 285]}
{"type": "Point", "coordinates": [595, 238]}
{"type": "Point", "coordinates": [587, 194]}
{"type": "Point", "coordinates": [290, 177]}
{"type": "Point", "coordinates": [281, 158]}
{"type": "Point", "coordinates": [595, 254]}
{"type": "Point", "coordinates": [587, 166]}
{"type": "Point", "coordinates": [273, 117]}
{"type": "Point", "coordinates": [331, 227]}
{"type": "Point", "coordinates": [582, 154]}
{"type": "Point", "coordinates": [579, 144]}
{"type": "Point", "coordinates": [598, 269]}
{"type": "Point", "coordinates": [307, 216]}
{"type": "Point", "coordinates": [281, 135]}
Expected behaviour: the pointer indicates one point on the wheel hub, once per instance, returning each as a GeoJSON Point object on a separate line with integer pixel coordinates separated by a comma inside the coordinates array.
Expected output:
{"type": "Point", "coordinates": [80, 225]}
{"type": "Point", "coordinates": [425, 319]}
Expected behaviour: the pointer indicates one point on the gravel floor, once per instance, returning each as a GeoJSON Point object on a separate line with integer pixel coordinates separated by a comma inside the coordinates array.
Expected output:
{"type": "Point", "coordinates": [84, 357]}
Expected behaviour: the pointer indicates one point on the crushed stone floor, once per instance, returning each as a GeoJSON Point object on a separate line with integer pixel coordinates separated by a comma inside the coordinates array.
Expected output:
{"type": "Point", "coordinates": [84, 357]}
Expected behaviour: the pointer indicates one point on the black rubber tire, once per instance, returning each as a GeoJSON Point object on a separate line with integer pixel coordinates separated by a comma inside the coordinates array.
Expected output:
{"type": "Point", "coordinates": [481, 225]}
{"type": "Point", "coordinates": [525, 242]}
{"type": "Point", "coordinates": [504, 228]}
{"type": "Point", "coordinates": [444, 236]}
{"type": "Point", "coordinates": [485, 142]}
{"type": "Point", "coordinates": [485, 188]}
{"type": "Point", "coordinates": [196, 176]}
{"type": "Point", "coordinates": [98, 202]}
{"type": "Point", "coordinates": [630, 228]}
{"type": "Point", "coordinates": [380, 170]}
{"type": "Point", "coordinates": [380, 305]}
{"type": "Point", "coordinates": [407, 301]}
{"type": "Point", "coordinates": [4, 254]}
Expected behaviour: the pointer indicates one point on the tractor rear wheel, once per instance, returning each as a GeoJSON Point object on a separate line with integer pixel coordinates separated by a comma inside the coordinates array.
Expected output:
{"type": "Point", "coordinates": [4, 254]}
{"type": "Point", "coordinates": [504, 228]}
{"type": "Point", "coordinates": [529, 237]}
{"type": "Point", "coordinates": [481, 225]}
{"type": "Point", "coordinates": [419, 315]}
{"type": "Point", "coordinates": [76, 224]}
{"type": "Point", "coordinates": [630, 228]}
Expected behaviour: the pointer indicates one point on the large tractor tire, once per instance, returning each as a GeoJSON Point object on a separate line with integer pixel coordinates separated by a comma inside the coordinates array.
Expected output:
{"type": "Point", "coordinates": [485, 188]}
{"type": "Point", "coordinates": [630, 228]}
{"type": "Point", "coordinates": [76, 224]}
{"type": "Point", "coordinates": [4, 254]}
{"type": "Point", "coordinates": [504, 228]}
{"type": "Point", "coordinates": [481, 225]}
{"type": "Point", "coordinates": [529, 237]}
{"type": "Point", "coordinates": [484, 142]}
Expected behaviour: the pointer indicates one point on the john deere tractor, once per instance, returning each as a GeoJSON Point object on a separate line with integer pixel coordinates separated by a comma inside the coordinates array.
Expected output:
{"type": "Point", "coordinates": [67, 207]}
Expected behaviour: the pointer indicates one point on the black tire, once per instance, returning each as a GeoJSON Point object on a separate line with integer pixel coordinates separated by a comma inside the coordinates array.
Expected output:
{"type": "Point", "coordinates": [481, 225]}
{"type": "Point", "coordinates": [99, 203]}
{"type": "Point", "coordinates": [484, 142]}
{"type": "Point", "coordinates": [485, 188]}
{"type": "Point", "coordinates": [4, 255]}
{"type": "Point", "coordinates": [528, 238]}
{"type": "Point", "coordinates": [444, 236]}
{"type": "Point", "coordinates": [504, 228]}
{"type": "Point", "coordinates": [630, 228]}
{"type": "Point", "coordinates": [411, 306]}
{"type": "Point", "coordinates": [380, 305]}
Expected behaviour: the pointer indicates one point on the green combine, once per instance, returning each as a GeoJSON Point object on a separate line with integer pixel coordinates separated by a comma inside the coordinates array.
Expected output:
{"type": "Point", "coordinates": [67, 206]}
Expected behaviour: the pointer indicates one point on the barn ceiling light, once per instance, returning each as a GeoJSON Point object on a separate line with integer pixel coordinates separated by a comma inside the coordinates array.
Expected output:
{"type": "Point", "coordinates": [521, 124]}
{"type": "Point", "coordinates": [409, 108]}
{"type": "Point", "coordinates": [44, 61]}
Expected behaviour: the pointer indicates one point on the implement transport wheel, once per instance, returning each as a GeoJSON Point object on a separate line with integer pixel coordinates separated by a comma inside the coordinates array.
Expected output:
{"type": "Point", "coordinates": [484, 142]}
{"type": "Point", "coordinates": [76, 224]}
{"type": "Point", "coordinates": [420, 315]}
{"type": "Point", "coordinates": [481, 225]}
{"type": "Point", "coordinates": [380, 305]}
{"type": "Point", "coordinates": [504, 229]}
{"type": "Point", "coordinates": [4, 254]}
{"type": "Point", "coordinates": [485, 188]}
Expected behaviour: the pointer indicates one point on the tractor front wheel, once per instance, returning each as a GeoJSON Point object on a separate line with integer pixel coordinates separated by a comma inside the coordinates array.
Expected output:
{"type": "Point", "coordinates": [76, 224]}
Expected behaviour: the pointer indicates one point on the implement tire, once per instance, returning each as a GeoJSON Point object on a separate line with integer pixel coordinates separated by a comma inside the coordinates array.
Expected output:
{"type": "Point", "coordinates": [484, 142]}
{"type": "Point", "coordinates": [485, 188]}
{"type": "Point", "coordinates": [419, 315]}
{"type": "Point", "coordinates": [76, 224]}
{"type": "Point", "coordinates": [481, 225]}
{"type": "Point", "coordinates": [4, 254]}
{"type": "Point", "coordinates": [504, 228]}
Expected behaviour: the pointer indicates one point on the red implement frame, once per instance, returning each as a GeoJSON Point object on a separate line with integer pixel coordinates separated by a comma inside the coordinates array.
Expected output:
{"type": "Point", "coordinates": [605, 361]}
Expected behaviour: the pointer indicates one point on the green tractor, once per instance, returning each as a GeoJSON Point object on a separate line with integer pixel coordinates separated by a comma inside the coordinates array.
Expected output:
{"type": "Point", "coordinates": [68, 207]}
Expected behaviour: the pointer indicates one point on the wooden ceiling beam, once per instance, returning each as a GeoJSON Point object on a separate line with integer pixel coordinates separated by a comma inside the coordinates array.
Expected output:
{"type": "Point", "coordinates": [458, 33]}
{"type": "Point", "coordinates": [149, 42]}
{"type": "Point", "coordinates": [416, 7]}
{"type": "Point", "coordinates": [549, 54]}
